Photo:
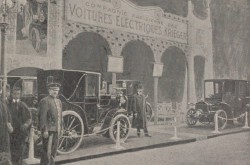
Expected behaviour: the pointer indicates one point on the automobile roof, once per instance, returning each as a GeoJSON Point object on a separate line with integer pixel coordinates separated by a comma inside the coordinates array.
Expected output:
{"type": "Point", "coordinates": [68, 70]}
{"type": "Point", "coordinates": [22, 77]}
{"type": "Point", "coordinates": [225, 80]}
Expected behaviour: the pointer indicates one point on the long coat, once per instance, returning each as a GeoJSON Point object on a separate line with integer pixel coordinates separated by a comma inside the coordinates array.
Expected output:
{"type": "Point", "coordinates": [49, 114]}
{"type": "Point", "coordinates": [50, 119]}
{"type": "Point", "coordinates": [4, 135]}
{"type": "Point", "coordinates": [139, 112]}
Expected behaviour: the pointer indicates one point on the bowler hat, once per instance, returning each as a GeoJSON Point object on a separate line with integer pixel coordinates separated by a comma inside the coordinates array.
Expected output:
{"type": "Point", "coordinates": [139, 86]}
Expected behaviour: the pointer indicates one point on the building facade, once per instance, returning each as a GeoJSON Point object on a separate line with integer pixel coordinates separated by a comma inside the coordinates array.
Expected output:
{"type": "Point", "coordinates": [171, 55]}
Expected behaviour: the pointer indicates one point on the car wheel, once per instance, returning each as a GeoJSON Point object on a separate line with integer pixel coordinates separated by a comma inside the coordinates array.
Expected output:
{"type": "Point", "coordinates": [149, 112]}
{"type": "Point", "coordinates": [72, 132]}
{"type": "Point", "coordinates": [191, 120]}
{"type": "Point", "coordinates": [124, 127]}
{"type": "Point", "coordinates": [222, 119]}
{"type": "Point", "coordinates": [35, 39]}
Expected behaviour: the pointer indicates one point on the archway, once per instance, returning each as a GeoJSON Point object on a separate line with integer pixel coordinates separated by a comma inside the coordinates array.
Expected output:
{"type": "Point", "coordinates": [172, 83]}
{"type": "Point", "coordinates": [138, 65]}
{"type": "Point", "coordinates": [199, 71]}
{"type": "Point", "coordinates": [88, 51]}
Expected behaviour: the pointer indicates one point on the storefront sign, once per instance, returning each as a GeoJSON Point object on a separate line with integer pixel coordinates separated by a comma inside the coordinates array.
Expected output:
{"type": "Point", "coordinates": [115, 64]}
{"type": "Point", "coordinates": [157, 71]}
{"type": "Point", "coordinates": [125, 16]}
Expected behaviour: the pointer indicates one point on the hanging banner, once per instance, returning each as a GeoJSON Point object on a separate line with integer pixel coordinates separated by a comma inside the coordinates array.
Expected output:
{"type": "Point", "coordinates": [157, 71]}
{"type": "Point", "coordinates": [115, 64]}
{"type": "Point", "coordinates": [126, 16]}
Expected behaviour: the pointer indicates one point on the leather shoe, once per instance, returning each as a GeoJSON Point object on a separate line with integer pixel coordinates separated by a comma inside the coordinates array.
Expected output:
{"type": "Point", "coordinates": [148, 135]}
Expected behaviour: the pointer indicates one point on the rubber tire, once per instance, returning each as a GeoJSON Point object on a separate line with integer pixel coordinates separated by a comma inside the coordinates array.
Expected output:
{"type": "Point", "coordinates": [187, 119]}
{"type": "Point", "coordinates": [225, 124]}
{"type": "Point", "coordinates": [70, 112]}
{"type": "Point", "coordinates": [111, 129]}
{"type": "Point", "coordinates": [35, 39]}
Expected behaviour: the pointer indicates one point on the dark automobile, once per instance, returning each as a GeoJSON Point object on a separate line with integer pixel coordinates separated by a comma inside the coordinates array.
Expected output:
{"type": "Point", "coordinates": [128, 88]}
{"type": "Point", "coordinates": [85, 111]}
{"type": "Point", "coordinates": [227, 97]}
{"type": "Point", "coordinates": [38, 25]}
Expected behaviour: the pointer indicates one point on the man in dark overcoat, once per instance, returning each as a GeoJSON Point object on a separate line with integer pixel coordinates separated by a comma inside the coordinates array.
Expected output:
{"type": "Point", "coordinates": [50, 120]}
{"type": "Point", "coordinates": [5, 129]}
{"type": "Point", "coordinates": [21, 121]}
{"type": "Point", "coordinates": [139, 112]}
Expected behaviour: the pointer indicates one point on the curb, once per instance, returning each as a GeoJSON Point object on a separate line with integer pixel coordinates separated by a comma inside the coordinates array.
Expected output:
{"type": "Point", "coordinates": [160, 145]}
{"type": "Point", "coordinates": [227, 133]}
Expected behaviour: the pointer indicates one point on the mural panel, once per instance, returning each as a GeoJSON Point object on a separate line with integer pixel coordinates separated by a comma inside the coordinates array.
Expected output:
{"type": "Point", "coordinates": [31, 30]}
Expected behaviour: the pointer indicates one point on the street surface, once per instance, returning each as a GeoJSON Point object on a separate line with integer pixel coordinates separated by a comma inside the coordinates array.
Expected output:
{"type": "Point", "coordinates": [224, 150]}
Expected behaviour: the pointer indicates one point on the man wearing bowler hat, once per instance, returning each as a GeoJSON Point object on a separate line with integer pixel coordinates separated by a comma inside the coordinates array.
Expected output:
{"type": "Point", "coordinates": [50, 120]}
{"type": "Point", "coordinates": [139, 112]}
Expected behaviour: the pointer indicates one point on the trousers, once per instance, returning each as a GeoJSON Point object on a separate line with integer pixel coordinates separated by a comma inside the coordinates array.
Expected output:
{"type": "Point", "coordinates": [49, 149]}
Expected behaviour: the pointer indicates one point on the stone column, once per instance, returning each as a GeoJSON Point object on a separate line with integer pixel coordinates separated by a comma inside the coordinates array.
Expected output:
{"type": "Point", "coordinates": [156, 79]}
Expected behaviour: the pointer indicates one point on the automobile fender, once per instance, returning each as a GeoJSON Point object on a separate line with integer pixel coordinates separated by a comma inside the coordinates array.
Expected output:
{"type": "Point", "coordinates": [111, 114]}
{"type": "Point", "coordinates": [70, 106]}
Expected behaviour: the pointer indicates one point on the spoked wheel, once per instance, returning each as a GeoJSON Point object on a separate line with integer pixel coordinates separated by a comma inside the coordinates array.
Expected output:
{"type": "Point", "coordinates": [35, 39]}
{"type": "Point", "coordinates": [72, 133]}
{"type": "Point", "coordinates": [222, 119]}
{"type": "Point", "coordinates": [191, 120]}
{"type": "Point", "coordinates": [124, 127]}
{"type": "Point", "coordinates": [149, 112]}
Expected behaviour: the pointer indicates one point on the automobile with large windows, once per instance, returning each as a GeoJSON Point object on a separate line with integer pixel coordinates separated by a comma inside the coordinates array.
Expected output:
{"type": "Point", "coordinates": [87, 110]}
{"type": "Point", "coordinates": [228, 98]}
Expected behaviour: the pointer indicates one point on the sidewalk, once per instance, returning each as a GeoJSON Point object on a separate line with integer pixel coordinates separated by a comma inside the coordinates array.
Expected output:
{"type": "Point", "coordinates": [98, 146]}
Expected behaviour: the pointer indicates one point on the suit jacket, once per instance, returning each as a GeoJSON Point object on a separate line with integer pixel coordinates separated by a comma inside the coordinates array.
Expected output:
{"type": "Point", "coordinates": [50, 114]}
{"type": "Point", "coordinates": [20, 115]}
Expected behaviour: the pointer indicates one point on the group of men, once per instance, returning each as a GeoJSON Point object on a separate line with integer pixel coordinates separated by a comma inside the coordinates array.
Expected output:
{"type": "Point", "coordinates": [16, 121]}
{"type": "Point", "coordinates": [15, 124]}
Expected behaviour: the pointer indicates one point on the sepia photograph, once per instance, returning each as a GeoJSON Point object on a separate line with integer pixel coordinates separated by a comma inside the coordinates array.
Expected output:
{"type": "Point", "coordinates": [124, 82]}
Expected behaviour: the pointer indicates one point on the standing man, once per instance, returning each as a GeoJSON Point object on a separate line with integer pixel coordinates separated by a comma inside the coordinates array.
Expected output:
{"type": "Point", "coordinates": [21, 121]}
{"type": "Point", "coordinates": [50, 117]}
{"type": "Point", "coordinates": [139, 112]}
{"type": "Point", "coordinates": [5, 129]}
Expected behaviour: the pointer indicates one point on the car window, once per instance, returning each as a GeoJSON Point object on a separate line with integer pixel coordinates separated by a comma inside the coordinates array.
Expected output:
{"type": "Point", "coordinates": [229, 86]}
{"type": "Point", "coordinates": [28, 87]}
{"type": "Point", "coordinates": [209, 89]}
{"type": "Point", "coordinates": [92, 85]}
{"type": "Point", "coordinates": [242, 89]}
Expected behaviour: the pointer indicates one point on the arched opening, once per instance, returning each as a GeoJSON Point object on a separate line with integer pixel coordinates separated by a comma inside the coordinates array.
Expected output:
{"type": "Point", "coordinates": [138, 65]}
{"type": "Point", "coordinates": [25, 71]}
{"type": "Point", "coordinates": [88, 52]}
{"type": "Point", "coordinates": [172, 83]}
{"type": "Point", "coordinates": [199, 70]}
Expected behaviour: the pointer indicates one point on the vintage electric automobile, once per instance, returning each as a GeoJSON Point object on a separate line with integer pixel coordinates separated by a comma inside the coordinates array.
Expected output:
{"type": "Point", "coordinates": [38, 25]}
{"type": "Point", "coordinates": [227, 97]}
{"type": "Point", "coordinates": [85, 111]}
{"type": "Point", "coordinates": [129, 89]}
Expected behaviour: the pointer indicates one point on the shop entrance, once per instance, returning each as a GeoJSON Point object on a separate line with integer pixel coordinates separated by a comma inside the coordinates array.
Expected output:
{"type": "Point", "coordinates": [138, 65]}
{"type": "Point", "coordinates": [172, 83]}
{"type": "Point", "coordinates": [87, 51]}
{"type": "Point", "coordinates": [199, 70]}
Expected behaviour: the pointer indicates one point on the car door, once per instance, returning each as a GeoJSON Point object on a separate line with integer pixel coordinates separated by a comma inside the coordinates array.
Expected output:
{"type": "Point", "coordinates": [91, 99]}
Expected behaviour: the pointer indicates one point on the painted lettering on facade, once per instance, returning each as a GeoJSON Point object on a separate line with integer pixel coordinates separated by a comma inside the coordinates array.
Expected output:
{"type": "Point", "coordinates": [125, 16]}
